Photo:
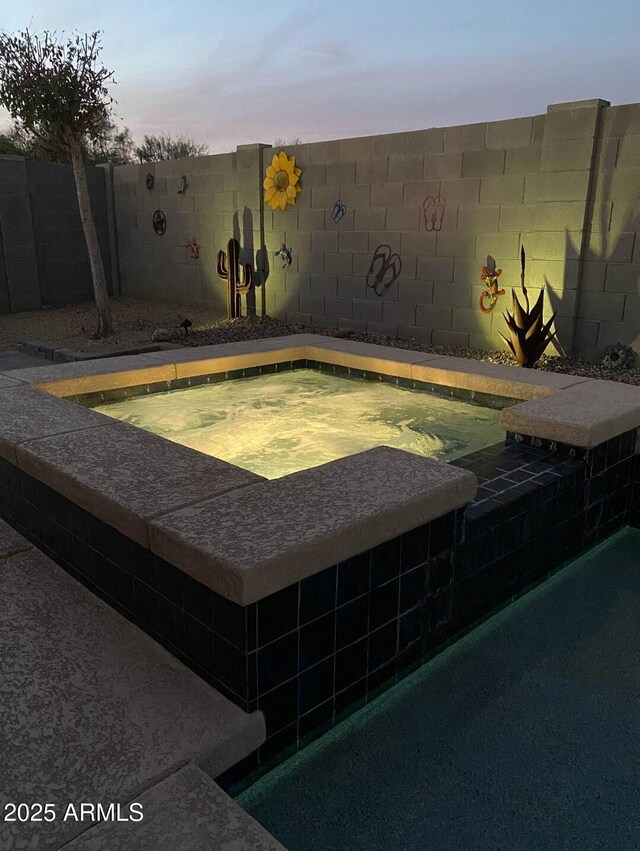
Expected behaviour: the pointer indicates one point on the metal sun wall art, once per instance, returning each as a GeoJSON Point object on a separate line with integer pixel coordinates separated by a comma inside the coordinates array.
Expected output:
{"type": "Point", "coordinates": [184, 183]}
{"type": "Point", "coordinates": [239, 278]}
{"type": "Point", "coordinates": [281, 186]}
{"type": "Point", "coordinates": [433, 208]}
{"type": "Point", "coordinates": [384, 269]}
{"type": "Point", "coordinates": [194, 247]}
{"type": "Point", "coordinates": [338, 212]}
{"type": "Point", "coordinates": [284, 253]}
{"type": "Point", "coordinates": [149, 181]}
{"type": "Point", "coordinates": [489, 298]}
{"type": "Point", "coordinates": [159, 222]}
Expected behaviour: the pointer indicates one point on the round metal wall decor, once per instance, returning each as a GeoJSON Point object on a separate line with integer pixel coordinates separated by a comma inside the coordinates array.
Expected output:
{"type": "Point", "coordinates": [159, 222]}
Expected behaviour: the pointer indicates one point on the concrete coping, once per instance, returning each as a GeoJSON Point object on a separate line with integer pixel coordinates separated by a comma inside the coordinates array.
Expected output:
{"type": "Point", "coordinates": [265, 537]}
{"type": "Point", "coordinates": [104, 374]}
{"type": "Point", "coordinates": [93, 708]}
{"type": "Point", "coordinates": [240, 535]}
{"type": "Point", "coordinates": [186, 810]}
{"type": "Point", "coordinates": [586, 414]}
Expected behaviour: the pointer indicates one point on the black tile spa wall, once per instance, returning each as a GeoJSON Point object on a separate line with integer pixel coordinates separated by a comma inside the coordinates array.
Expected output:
{"type": "Point", "coordinates": [195, 624]}
{"type": "Point", "coordinates": [538, 505]}
{"type": "Point", "coordinates": [312, 653]}
{"type": "Point", "coordinates": [634, 514]}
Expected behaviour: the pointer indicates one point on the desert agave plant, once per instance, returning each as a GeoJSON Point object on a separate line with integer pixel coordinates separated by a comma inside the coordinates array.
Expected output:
{"type": "Point", "coordinates": [529, 336]}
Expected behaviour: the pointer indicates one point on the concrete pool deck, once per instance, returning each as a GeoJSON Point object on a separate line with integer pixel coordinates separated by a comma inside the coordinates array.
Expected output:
{"type": "Point", "coordinates": [93, 710]}
{"type": "Point", "coordinates": [146, 487]}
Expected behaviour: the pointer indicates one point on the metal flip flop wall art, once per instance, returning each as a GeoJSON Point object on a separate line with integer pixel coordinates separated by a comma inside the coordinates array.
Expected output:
{"type": "Point", "coordinates": [384, 269]}
{"type": "Point", "coordinates": [433, 208]}
{"type": "Point", "coordinates": [338, 212]}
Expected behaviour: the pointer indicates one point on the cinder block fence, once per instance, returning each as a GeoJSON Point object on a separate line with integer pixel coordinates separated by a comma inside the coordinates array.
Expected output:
{"type": "Point", "coordinates": [566, 184]}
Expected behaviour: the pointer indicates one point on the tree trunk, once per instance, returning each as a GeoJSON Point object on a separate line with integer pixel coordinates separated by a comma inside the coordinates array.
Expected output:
{"type": "Point", "coordinates": [105, 326]}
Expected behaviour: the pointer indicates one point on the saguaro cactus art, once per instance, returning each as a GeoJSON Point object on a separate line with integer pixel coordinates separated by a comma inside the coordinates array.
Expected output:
{"type": "Point", "coordinates": [239, 278]}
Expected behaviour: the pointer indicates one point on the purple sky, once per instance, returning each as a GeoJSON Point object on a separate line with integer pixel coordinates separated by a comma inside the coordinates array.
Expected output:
{"type": "Point", "coordinates": [234, 73]}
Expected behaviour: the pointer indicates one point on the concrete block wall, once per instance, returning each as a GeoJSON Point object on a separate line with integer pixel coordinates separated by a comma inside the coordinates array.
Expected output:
{"type": "Point", "coordinates": [608, 309]}
{"type": "Point", "coordinates": [549, 182]}
{"type": "Point", "coordinates": [19, 286]}
{"type": "Point", "coordinates": [64, 272]}
{"type": "Point", "coordinates": [211, 210]}
{"type": "Point", "coordinates": [480, 171]}
{"type": "Point", "coordinates": [43, 254]}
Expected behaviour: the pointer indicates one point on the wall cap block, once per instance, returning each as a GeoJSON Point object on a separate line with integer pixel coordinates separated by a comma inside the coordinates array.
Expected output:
{"type": "Point", "coordinates": [578, 104]}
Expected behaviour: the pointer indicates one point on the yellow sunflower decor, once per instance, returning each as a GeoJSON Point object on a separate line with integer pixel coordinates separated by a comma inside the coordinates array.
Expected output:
{"type": "Point", "coordinates": [281, 183]}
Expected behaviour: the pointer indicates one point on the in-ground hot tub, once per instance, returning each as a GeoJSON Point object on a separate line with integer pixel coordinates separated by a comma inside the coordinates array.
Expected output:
{"type": "Point", "coordinates": [302, 596]}
{"type": "Point", "coordinates": [288, 420]}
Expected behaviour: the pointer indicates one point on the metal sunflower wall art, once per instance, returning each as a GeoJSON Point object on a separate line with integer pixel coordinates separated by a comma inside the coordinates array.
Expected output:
{"type": "Point", "coordinates": [281, 185]}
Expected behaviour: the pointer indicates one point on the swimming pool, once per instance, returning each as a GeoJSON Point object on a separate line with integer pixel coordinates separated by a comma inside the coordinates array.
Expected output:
{"type": "Point", "coordinates": [281, 423]}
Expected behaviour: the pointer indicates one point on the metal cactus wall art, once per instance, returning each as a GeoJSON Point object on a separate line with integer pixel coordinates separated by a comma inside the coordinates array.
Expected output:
{"type": "Point", "coordinates": [239, 278]}
{"type": "Point", "coordinates": [529, 335]}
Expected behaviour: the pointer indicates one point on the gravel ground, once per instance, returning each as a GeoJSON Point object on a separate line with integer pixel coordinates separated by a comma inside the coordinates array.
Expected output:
{"type": "Point", "coordinates": [227, 331]}
{"type": "Point", "coordinates": [73, 326]}
{"type": "Point", "coordinates": [135, 321]}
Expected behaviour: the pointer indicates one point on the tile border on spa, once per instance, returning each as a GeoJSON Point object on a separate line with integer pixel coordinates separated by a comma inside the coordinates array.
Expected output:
{"type": "Point", "coordinates": [118, 394]}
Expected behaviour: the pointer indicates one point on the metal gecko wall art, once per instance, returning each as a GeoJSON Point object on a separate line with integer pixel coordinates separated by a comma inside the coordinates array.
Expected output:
{"type": "Point", "coordinates": [149, 181]}
{"type": "Point", "coordinates": [384, 269]}
{"type": "Point", "coordinates": [489, 298]}
{"type": "Point", "coordinates": [433, 208]}
{"type": "Point", "coordinates": [194, 247]}
{"type": "Point", "coordinates": [184, 183]}
{"type": "Point", "coordinates": [285, 254]}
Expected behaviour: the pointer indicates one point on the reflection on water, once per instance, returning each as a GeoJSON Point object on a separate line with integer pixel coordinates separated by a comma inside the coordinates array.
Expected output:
{"type": "Point", "coordinates": [278, 424]}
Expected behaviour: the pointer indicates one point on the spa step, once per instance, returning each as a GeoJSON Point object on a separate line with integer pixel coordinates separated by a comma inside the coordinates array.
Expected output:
{"type": "Point", "coordinates": [91, 708]}
{"type": "Point", "coordinates": [185, 811]}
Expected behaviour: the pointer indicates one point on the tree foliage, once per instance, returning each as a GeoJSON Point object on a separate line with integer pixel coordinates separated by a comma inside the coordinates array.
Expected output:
{"type": "Point", "coordinates": [281, 142]}
{"type": "Point", "coordinates": [115, 145]}
{"type": "Point", "coordinates": [155, 148]}
{"type": "Point", "coordinates": [58, 92]}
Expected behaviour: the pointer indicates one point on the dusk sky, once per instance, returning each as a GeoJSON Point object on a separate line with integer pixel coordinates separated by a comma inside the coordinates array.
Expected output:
{"type": "Point", "coordinates": [234, 73]}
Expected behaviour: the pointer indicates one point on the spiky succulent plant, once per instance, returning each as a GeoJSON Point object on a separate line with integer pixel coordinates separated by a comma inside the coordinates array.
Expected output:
{"type": "Point", "coordinates": [618, 357]}
{"type": "Point", "coordinates": [529, 335]}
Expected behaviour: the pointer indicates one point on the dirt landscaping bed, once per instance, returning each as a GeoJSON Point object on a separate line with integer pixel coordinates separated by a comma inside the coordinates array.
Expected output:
{"type": "Point", "coordinates": [135, 321]}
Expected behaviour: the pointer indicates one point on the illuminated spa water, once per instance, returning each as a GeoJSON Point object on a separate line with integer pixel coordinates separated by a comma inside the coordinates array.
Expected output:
{"type": "Point", "coordinates": [281, 423]}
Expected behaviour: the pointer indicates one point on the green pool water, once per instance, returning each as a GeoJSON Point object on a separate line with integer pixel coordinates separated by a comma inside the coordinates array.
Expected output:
{"type": "Point", "coordinates": [281, 423]}
{"type": "Point", "coordinates": [522, 735]}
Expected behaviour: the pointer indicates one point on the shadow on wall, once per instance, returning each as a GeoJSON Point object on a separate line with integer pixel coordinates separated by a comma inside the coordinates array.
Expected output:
{"type": "Point", "coordinates": [594, 299]}
{"type": "Point", "coordinates": [609, 281]}
{"type": "Point", "coordinates": [255, 304]}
